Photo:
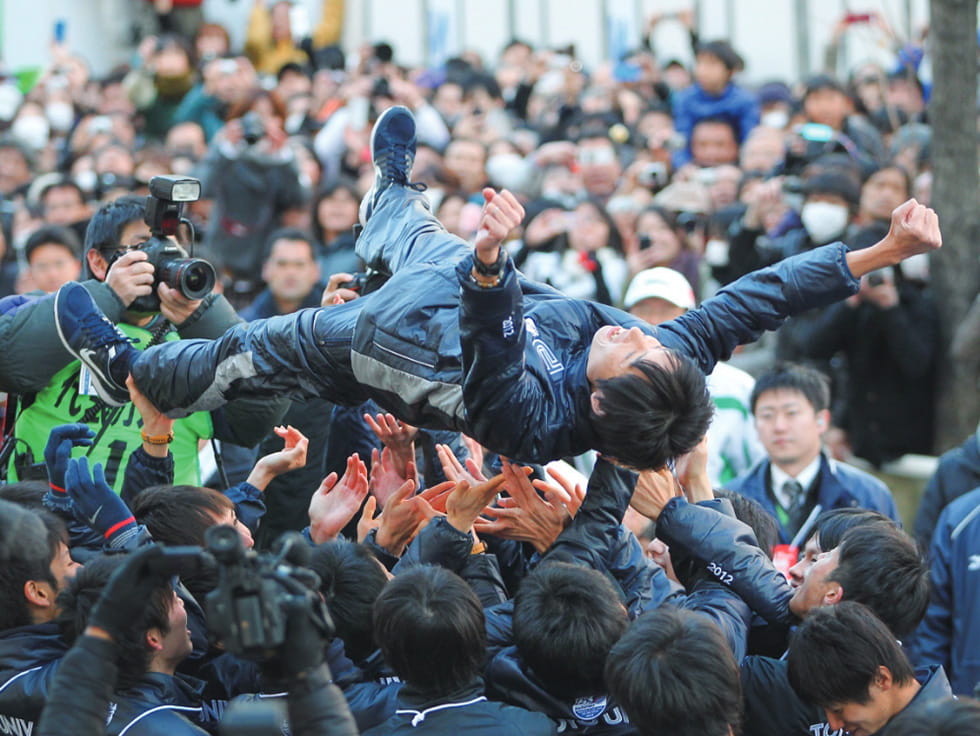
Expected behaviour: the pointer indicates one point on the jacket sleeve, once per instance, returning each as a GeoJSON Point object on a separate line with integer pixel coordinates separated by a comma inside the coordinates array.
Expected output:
{"type": "Point", "coordinates": [729, 550]}
{"type": "Point", "coordinates": [249, 505]}
{"type": "Point", "coordinates": [80, 695]}
{"type": "Point", "coordinates": [32, 351]}
{"type": "Point", "coordinates": [934, 638]}
{"type": "Point", "coordinates": [760, 301]}
{"type": "Point", "coordinates": [505, 405]}
{"type": "Point", "coordinates": [723, 606]}
{"type": "Point", "coordinates": [143, 471]}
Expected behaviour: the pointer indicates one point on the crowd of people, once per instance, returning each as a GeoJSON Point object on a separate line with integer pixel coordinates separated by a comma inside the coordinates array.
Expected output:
{"type": "Point", "coordinates": [470, 340]}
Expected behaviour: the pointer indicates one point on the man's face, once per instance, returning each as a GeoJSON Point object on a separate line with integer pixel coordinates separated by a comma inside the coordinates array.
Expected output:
{"type": "Point", "coordinates": [811, 551]}
{"type": "Point", "coordinates": [176, 644]}
{"type": "Point", "coordinates": [862, 719]}
{"type": "Point", "coordinates": [133, 235]}
{"type": "Point", "coordinates": [598, 166]}
{"type": "Point", "coordinates": [290, 270]}
{"type": "Point", "coordinates": [230, 518]}
{"type": "Point", "coordinates": [816, 590]}
{"type": "Point", "coordinates": [63, 567]}
{"type": "Point", "coordinates": [789, 427]}
{"type": "Point", "coordinates": [467, 160]}
{"type": "Point", "coordinates": [614, 349]}
{"type": "Point", "coordinates": [827, 106]}
{"type": "Point", "coordinates": [63, 206]}
{"type": "Point", "coordinates": [883, 192]}
{"type": "Point", "coordinates": [714, 144]}
{"type": "Point", "coordinates": [52, 265]}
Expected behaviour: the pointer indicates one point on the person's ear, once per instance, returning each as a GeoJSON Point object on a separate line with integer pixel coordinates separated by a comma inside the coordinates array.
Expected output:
{"type": "Point", "coordinates": [39, 593]}
{"type": "Point", "coordinates": [596, 400]}
{"type": "Point", "coordinates": [833, 595]}
{"type": "Point", "coordinates": [823, 420]}
{"type": "Point", "coordinates": [97, 264]}
{"type": "Point", "coordinates": [154, 639]}
{"type": "Point", "coordinates": [883, 679]}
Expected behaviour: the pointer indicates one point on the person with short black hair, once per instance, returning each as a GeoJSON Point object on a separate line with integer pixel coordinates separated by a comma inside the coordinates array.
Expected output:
{"type": "Point", "coordinates": [790, 404]}
{"type": "Point", "coordinates": [34, 567]}
{"type": "Point", "coordinates": [465, 355]}
{"type": "Point", "coordinates": [846, 661]}
{"type": "Point", "coordinates": [53, 257]}
{"type": "Point", "coordinates": [429, 625]}
{"type": "Point", "coordinates": [673, 672]}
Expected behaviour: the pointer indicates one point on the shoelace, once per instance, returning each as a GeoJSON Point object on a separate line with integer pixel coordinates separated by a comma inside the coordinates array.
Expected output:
{"type": "Point", "coordinates": [397, 163]}
{"type": "Point", "coordinates": [102, 332]}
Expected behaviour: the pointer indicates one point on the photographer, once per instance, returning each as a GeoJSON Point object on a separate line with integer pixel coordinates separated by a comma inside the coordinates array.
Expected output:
{"type": "Point", "coordinates": [126, 285]}
{"type": "Point", "coordinates": [253, 179]}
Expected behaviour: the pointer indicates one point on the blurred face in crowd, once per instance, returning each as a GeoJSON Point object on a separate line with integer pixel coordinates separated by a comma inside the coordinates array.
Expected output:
{"type": "Point", "coordinates": [713, 144]}
{"type": "Point", "coordinates": [723, 187]}
{"type": "Point", "coordinates": [290, 271]}
{"type": "Point", "coordinates": [711, 73]}
{"type": "Point", "coordinates": [279, 16]}
{"type": "Point", "coordinates": [657, 235]}
{"type": "Point", "coordinates": [467, 159]}
{"type": "Point", "coordinates": [187, 139]}
{"type": "Point", "coordinates": [598, 166]}
{"type": "Point", "coordinates": [789, 428]}
{"type": "Point", "coordinates": [449, 214]}
{"type": "Point", "coordinates": [337, 212]}
{"type": "Point", "coordinates": [63, 206]}
{"type": "Point", "coordinates": [883, 192]}
{"type": "Point", "coordinates": [52, 265]}
{"type": "Point", "coordinates": [827, 106]}
{"type": "Point", "coordinates": [763, 150]}
{"type": "Point", "coordinates": [590, 230]}
{"type": "Point", "coordinates": [14, 169]}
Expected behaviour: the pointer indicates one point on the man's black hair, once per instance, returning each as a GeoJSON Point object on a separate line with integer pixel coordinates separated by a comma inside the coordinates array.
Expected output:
{"type": "Point", "coordinates": [751, 512]}
{"type": "Point", "coordinates": [719, 120]}
{"type": "Point", "coordinates": [723, 51]}
{"type": "Point", "coordinates": [430, 627]}
{"type": "Point", "coordinates": [880, 566]}
{"type": "Point", "coordinates": [60, 183]}
{"type": "Point", "coordinates": [107, 224]}
{"type": "Point", "coordinates": [290, 233]}
{"type": "Point", "coordinates": [653, 415]}
{"type": "Point", "coordinates": [25, 554]}
{"type": "Point", "coordinates": [832, 525]}
{"type": "Point", "coordinates": [673, 672]}
{"type": "Point", "coordinates": [27, 493]}
{"type": "Point", "coordinates": [53, 235]}
{"type": "Point", "coordinates": [945, 717]}
{"type": "Point", "coordinates": [835, 655]}
{"type": "Point", "coordinates": [813, 384]}
{"type": "Point", "coordinates": [82, 593]}
{"type": "Point", "coordinates": [350, 581]}
{"type": "Point", "coordinates": [566, 619]}
{"type": "Point", "coordinates": [178, 514]}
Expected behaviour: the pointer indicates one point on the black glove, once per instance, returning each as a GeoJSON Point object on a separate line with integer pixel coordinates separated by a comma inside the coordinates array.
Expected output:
{"type": "Point", "coordinates": [125, 595]}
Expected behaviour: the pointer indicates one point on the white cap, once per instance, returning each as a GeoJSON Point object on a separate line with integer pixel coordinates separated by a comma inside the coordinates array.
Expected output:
{"type": "Point", "coordinates": [662, 283]}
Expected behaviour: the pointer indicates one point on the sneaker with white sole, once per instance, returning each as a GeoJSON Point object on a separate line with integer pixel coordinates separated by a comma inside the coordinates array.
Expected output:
{"type": "Point", "coordinates": [92, 338]}
{"type": "Point", "coordinates": [393, 154]}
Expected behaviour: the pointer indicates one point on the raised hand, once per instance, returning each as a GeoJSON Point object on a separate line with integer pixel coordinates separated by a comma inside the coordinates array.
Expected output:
{"type": "Point", "coordinates": [335, 502]}
{"type": "Point", "coordinates": [96, 504]}
{"type": "Point", "coordinates": [654, 488]}
{"type": "Point", "coordinates": [57, 452]}
{"type": "Point", "coordinates": [466, 502]}
{"type": "Point", "coordinates": [525, 516]}
{"type": "Point", "coordinates": [385, 478]}
{"type": "Point", "coordinates": [397, 437]}
{"type": "Point", "coordinates": [290, 457]}
{"type": "Point", "coordinates": [501, 214]}
{"type": "Point", "coordinates": [403, 516]}
{"type": "Point", "coordinates": [453, 470]}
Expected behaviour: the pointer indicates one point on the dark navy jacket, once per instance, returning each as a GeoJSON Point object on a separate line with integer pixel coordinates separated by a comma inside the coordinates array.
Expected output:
{"type": "Point", "coordinates": [949, 635]}
{"type": "Point", "coordinates": [29, 659]}
{"type": "Point", "coordinates": [840, 486]}
{"type": "Point", "coordinates": [162, 705]}
{"type": "Point", "coordinates": [958, 472]}
{"type": "Point", "coordinates": [520, 349]}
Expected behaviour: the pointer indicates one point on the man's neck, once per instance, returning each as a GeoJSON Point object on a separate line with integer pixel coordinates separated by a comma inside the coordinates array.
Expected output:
{"type": "Point", "coordinates": [795, 468]}
{"type": "Point", "coordinates": [287, 306]}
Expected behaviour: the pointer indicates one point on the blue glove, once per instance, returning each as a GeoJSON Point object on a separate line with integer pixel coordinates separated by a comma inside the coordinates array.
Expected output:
{"type": "Point", "coordinates": [96, 504]}
{"type": "Point", "coordinates": [56, 455]}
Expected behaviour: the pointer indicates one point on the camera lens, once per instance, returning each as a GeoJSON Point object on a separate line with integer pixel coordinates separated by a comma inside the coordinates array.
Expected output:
{"type": "Point", "coordinates": [224, 543]}
{"type": "Point", "coordinates": [192, 277]}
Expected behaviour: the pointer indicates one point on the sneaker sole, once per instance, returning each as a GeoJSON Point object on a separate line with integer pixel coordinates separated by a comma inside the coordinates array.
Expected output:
{"type": "Point", "coordinates": [104, 393]}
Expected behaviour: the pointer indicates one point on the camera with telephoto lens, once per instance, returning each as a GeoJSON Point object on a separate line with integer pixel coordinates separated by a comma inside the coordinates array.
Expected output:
{"type": "Point", "coordinates": [194, 278]}
{"type": "Point", "coordinates": [253, 129]}
{"type": "Point", "coordinates": [248, 609]}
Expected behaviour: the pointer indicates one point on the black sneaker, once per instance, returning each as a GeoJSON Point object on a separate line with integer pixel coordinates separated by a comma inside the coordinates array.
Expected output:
{"type": "Point", "coordinates": [393, 153]}
{"type": "Point", "coordinates": [93, 339]}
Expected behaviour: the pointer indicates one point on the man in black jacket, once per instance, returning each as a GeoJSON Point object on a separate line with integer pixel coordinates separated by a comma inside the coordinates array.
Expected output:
{"type": "Point", "coordinates": [34, 567]}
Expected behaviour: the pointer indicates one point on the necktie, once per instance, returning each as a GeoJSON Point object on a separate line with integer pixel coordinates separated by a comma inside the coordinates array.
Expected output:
{"type": "Point", "coordinates": [792, 494]}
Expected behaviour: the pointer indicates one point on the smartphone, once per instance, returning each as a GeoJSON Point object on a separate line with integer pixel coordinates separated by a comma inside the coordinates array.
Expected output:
{"type": "Point", "coordinates": [60, 30]}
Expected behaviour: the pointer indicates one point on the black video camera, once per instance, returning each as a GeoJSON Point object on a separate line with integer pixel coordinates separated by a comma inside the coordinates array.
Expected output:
{"type": "Point", "coordinates": [248, 609]}
{"type": "Point", "coordinates": [194, 278]}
